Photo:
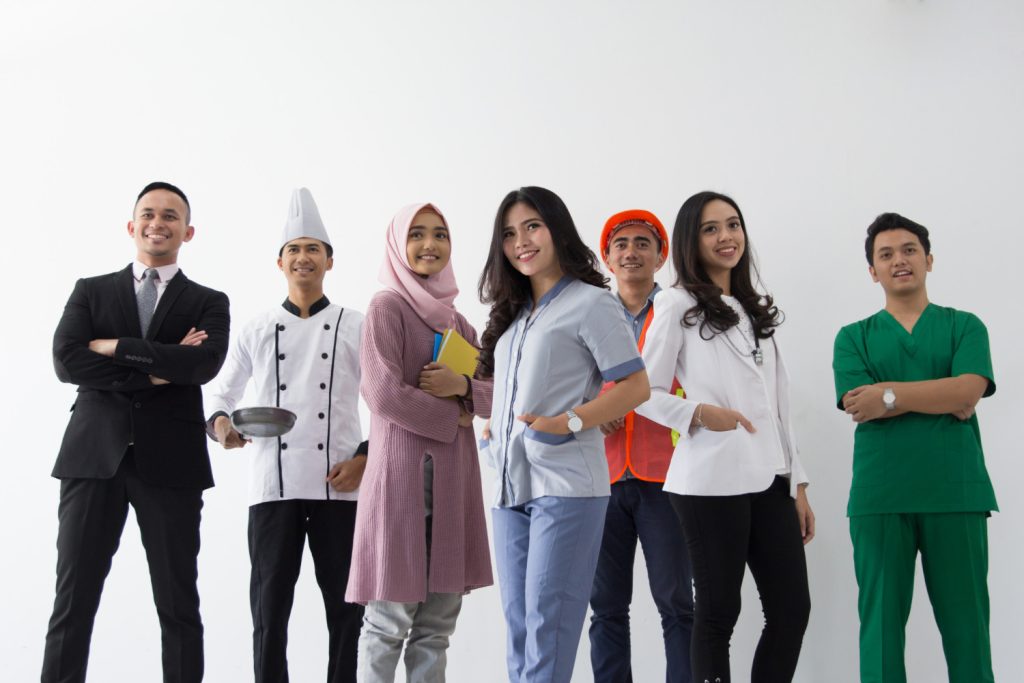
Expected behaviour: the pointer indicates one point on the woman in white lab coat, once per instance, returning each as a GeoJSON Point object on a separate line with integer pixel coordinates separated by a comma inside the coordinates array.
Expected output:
{"type": "Point", "coordinates": [736, 481]}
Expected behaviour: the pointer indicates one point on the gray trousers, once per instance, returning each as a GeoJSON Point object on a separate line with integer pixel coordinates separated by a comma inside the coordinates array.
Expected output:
{"type": "Point", "coordinates": [422, 627]}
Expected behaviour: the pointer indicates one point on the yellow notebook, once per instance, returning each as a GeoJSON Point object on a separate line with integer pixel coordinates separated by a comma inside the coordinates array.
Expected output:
{"type": "Point", "coordinates": [457, 353]}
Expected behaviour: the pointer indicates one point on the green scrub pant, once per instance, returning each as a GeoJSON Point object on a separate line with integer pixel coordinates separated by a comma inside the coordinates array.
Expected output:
{"type": "Point", "coordinates": [954, 557]}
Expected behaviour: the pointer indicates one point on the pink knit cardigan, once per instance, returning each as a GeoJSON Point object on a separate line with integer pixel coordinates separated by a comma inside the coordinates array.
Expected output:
{"type": "Point", "coordinates": [407, 425]}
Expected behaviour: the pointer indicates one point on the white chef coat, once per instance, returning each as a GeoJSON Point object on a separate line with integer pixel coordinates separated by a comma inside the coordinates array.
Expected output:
{"type": "Point", "coordinates": [309, 366]}
{"type": "Point", "coordinates": [722, 372]}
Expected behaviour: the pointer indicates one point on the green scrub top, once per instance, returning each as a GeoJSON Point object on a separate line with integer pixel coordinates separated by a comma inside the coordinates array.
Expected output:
{"type": "Point", "coordinates": [915, 462]}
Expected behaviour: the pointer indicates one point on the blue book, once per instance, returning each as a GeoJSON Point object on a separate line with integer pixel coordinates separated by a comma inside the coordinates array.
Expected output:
{"type": "Point", "coordinates": [437, 346]}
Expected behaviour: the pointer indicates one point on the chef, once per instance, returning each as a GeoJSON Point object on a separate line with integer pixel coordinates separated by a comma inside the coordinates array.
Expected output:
{"type": "Point", "coordinates": [302, 355]}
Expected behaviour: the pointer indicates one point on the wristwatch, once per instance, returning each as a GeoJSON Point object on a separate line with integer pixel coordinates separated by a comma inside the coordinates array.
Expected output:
{"type": "Point", "coordinates": [575, 422]}
{"type": "Point", "coordinates": [889, 398]}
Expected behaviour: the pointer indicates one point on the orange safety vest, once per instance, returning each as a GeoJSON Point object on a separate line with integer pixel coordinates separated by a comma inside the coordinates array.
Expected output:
{"type": "Point", "coordinates": [641, 446]}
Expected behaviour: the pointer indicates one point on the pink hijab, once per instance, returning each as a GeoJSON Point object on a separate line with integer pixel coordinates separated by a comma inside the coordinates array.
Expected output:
{"type": "Point", "coordinates": [430, 297]}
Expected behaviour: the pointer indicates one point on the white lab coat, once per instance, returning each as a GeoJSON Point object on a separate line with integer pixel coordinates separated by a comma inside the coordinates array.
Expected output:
{"type": "Point", "coordinates": [720, 372]}
{"type": "Point", "coordinates": [309, 366]}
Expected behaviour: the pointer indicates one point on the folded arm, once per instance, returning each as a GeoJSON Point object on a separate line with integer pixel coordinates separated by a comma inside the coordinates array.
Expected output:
{"type": "Point", "coordinates": [76, 363]}
{"type": "Point", "coordinates": [178, 363]}
{"type": "Point", "coordinates": [947, 395]}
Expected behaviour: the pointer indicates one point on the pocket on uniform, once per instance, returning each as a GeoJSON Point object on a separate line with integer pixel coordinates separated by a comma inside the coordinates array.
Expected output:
{"type": "Point", "coordinates": [717, 445]}
{"type": "Point", "coordinates": [560, 458]}
{"type": "Point", "coordinates": [549, 439]}
{"type": "Point", "coordinates": [721, 456]}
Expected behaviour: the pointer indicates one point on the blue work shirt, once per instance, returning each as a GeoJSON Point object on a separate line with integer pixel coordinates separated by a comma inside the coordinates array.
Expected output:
{"type": "Point", "coordinates": [545, 364]}
{"type": "Point", "coordinates": [636, 322]}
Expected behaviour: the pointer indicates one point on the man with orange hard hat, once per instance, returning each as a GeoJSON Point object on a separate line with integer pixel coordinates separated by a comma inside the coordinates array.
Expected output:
{"type": "Point", "coordinates": [634, 246]}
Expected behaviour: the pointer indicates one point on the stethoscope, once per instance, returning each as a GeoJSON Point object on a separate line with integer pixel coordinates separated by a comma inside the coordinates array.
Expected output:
{"type": "Point", "coordinates": [756, 353]}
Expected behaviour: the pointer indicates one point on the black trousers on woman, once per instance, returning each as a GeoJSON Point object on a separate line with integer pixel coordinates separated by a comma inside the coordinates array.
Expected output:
{"type": "Point", "coordinates": [724, 534]}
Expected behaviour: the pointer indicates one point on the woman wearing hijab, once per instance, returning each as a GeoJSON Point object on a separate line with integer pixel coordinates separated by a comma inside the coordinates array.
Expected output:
{"type": "Point", "coordinates": [421, 538]}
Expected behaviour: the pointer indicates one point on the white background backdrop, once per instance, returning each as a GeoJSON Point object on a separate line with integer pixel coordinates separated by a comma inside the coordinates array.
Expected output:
{"type": "Point", "coordinates": [815, 115]}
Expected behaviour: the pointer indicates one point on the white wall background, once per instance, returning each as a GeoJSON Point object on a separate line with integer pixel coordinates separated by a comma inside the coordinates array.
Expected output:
{"type": "Point", "coordinates": [815, 115]}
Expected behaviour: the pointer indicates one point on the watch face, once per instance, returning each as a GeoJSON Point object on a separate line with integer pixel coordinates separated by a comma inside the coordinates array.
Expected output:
{"type": "Point", "coordinates": [889, 398]}
{"type": "Point", "coordinates": [575, 422]}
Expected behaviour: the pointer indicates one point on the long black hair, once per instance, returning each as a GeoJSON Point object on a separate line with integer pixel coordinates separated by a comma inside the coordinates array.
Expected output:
{"type": "Point", "coordinates": [713, 314]}
{"type": "Point", "coordinates": [505, 288]}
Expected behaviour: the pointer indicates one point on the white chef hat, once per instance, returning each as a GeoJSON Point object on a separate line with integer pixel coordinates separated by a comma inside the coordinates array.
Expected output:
{"type": "Point", "coordinates": [303, 219]}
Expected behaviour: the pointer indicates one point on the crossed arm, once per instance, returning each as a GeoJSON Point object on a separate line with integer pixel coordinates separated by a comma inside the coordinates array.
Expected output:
{"type": "Point", "coordinates": [955, 396]}
{"type": "Point", "coordinates": [107, 347]}
{"type": "Point", "coordinates": [83, 358]}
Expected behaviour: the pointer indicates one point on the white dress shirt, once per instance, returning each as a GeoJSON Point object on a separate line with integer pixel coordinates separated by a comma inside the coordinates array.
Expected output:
{"type": "Point", "coordinates": [720, 371]}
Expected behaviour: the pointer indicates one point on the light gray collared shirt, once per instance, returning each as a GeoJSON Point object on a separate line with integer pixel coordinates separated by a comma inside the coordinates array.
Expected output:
{"type": "Point", "coordinates": [546, 364]}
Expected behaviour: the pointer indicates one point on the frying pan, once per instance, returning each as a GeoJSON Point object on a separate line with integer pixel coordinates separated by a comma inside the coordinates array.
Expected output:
{"type": "Point", "coordinates": [260, 421]}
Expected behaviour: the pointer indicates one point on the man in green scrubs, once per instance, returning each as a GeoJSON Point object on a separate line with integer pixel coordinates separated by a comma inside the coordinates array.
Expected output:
{"type": "Point", "coordinates": [910, 376]}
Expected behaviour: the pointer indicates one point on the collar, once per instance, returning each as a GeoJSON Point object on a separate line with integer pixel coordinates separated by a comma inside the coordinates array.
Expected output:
{"type": "Point", "coordinates": [318, 305]}
{"type": "Point", "coordinates": [646, 306]}
{"type": "Point", "coordinates": [554, 291]}
{"type": "Point", "coordinates": [654, 292]}
{"type": "Point", "coordinates": [165, 273]}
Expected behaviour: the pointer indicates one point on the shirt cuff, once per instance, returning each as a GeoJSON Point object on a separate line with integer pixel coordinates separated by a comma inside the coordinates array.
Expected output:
{"type": "Point", "coordinates": [622, 370]}
{"type": "Point", "coordinates": [209, 424]}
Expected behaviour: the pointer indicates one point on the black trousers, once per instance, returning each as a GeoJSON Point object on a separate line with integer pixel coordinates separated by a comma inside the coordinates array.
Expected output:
{"type": "Point", "coordinates": [640, 510]}
{"type": "Point", "coordinates": [723, 534]}
{"type": "Point", "coordinates": [91, 516]}
{"type": "Point", "coordinates": [277, 535]}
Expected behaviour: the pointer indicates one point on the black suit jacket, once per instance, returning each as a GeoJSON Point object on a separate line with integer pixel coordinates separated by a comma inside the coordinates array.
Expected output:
{"type": "Point", "coordinates": [117, 404]}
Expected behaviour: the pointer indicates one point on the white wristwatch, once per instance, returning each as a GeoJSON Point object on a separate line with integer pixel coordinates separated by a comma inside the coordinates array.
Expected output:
{"type": "Point", "coordinates": [575, 422]}
{"type": "Point", "coordinates": [889, 398]}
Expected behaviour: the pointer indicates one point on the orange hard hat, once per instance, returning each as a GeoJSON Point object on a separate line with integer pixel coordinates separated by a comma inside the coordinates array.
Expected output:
{"type": "Point", "coordinates": [625, 219]}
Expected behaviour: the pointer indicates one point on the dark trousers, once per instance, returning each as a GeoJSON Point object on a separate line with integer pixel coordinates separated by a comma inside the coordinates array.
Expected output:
{"type": "Point", "coordinates": [640, 510]}
{"type": "Point", "coordinates": [724, 533]}
{"type": "Point", "coordinates": [277, 534]}
{"type": "Point", "coordinates": [91, 516]}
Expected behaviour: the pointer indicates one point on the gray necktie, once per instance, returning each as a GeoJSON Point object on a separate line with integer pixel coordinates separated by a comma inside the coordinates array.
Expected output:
{"type": "Point", "coordinates": [146, 298]}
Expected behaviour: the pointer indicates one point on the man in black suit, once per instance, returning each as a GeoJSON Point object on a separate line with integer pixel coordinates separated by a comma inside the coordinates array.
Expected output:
{"type": "Point", "coordinates": [139, 343]}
